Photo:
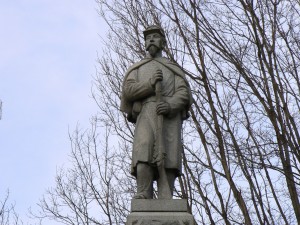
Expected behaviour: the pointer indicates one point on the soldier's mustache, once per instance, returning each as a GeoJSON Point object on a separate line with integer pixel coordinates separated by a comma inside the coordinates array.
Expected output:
{"type": "Point", "coordinates": [148, 46]}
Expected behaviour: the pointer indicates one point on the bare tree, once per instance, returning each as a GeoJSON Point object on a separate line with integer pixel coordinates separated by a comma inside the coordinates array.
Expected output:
{"type": "Point", "coordinates": [86, 191]}
{"type": "Point", "coordinates": [241, 158]}
{"type": "Point", "coordinates": [8, 215]}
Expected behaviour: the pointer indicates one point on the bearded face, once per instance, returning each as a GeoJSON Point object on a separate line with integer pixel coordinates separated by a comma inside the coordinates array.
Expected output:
{"type": "Point", "coordinates": [153, 49]}
{"type": "Point", "coordinates": [154, 43]}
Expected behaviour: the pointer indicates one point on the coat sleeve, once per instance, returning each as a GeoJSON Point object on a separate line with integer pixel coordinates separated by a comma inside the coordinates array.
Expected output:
{"type": "Point", "coordinates": [135, 90]}
{"type": "Point", "coordinates": [180, 99]}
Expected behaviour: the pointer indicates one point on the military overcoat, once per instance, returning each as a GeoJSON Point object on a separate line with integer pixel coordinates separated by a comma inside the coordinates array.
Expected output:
{"type": "Point", "coordinates": [139, 103]}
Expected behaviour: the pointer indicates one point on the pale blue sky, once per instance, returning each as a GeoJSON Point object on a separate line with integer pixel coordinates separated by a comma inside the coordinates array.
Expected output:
{"type": "Point", "coordinates": [48, 52]}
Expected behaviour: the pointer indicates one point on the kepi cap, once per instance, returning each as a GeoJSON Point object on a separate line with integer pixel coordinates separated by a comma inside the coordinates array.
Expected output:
{"type": "Point", "coordinates": [154, 29]}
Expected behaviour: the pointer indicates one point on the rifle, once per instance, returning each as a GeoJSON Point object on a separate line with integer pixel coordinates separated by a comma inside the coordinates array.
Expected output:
{"type": "Point", "coordinates": [165, 192]}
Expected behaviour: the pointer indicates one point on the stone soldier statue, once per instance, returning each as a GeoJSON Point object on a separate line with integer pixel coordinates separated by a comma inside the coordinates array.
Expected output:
{"type": "Point", "coordinates": [143, 107]}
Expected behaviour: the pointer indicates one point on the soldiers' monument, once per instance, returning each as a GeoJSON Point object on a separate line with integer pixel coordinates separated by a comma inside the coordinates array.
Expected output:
{"type": "Point", "coordinates": [156, 97]}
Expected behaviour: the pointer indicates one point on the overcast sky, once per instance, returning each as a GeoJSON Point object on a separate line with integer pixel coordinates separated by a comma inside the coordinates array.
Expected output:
{"type": "Point", "coordinates": [48, 53]}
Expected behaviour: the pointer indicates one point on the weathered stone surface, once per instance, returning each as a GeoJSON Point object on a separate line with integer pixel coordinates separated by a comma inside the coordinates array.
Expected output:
{"type": "Point", "coordinates": [159, 205]}
{"type": "Point", "coordinates": [156, 97]}
{"type": "Point", "coordinates": [160, 218]}
{"type": "Point", "coordinates": [159, 212]}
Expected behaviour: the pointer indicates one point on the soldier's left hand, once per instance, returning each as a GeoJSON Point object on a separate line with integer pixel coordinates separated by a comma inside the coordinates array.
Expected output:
{"type": "Point", "coordinates": [163, 108]}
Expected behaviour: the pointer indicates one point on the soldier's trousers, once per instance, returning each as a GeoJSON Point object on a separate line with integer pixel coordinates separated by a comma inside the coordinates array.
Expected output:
{"type": "Point", "coordinates": [145, 179]}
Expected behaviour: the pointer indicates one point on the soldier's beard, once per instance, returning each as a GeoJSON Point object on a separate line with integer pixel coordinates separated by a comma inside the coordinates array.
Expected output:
{"type": "Point", "coordinates": [153, 49]}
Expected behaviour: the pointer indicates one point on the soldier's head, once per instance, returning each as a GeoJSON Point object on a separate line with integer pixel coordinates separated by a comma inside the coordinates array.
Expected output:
{"type": "Point", "coordinates": [155, 40]}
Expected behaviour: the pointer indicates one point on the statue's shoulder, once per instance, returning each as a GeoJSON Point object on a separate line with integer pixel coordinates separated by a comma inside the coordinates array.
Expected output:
{"type": "Point", "coordinates": [137, 65]}
{"type": "Point", "coordinates": [173, 66]}
{"type": "Point", "coordinates": [165, 61]}
{"type": "Point", "coordinates": [168, 62]}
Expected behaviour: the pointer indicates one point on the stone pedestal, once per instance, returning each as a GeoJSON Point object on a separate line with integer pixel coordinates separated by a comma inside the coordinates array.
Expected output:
{"type": "Point", "coordinates": [159, 212]}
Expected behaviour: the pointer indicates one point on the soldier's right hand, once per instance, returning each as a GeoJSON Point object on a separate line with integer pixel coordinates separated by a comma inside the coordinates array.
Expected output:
{"type": "Point", "coordinates": [157, 76]}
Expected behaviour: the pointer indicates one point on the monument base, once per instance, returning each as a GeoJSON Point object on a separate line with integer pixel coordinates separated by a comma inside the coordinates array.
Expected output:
{"type": "Point", "coordinates": [159, 212]}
